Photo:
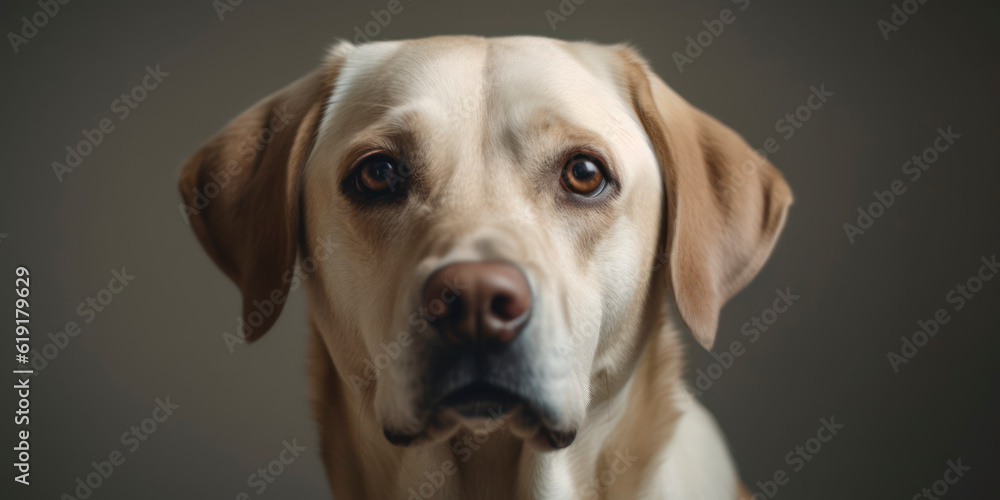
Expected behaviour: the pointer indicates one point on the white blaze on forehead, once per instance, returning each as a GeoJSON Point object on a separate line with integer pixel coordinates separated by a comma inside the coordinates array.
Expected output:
{"type": "Point", "coordinates": [357, 61]}
{"type": "Point", "coordinates": [409, 72]}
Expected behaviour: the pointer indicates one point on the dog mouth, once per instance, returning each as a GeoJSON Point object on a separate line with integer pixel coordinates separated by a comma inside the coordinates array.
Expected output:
{"type": "Point", "coordinates": [498, 406]}
{"type": "Point", "coordinates": [483, 400]}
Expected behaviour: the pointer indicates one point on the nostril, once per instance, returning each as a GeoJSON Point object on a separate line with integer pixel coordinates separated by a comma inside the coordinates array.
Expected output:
{"type": "Point", "coordinates": [445, 311]}
{"type": "Point", "coordinates": [436, 308]}
{"type": "Point", "coordinates": [500, 306]}
{"type": "Point", "coordinates": [506, 307]}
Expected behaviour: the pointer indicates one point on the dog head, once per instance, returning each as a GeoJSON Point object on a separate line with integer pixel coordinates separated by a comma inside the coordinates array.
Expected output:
{"type": "Point", "coordinates": [486, 225]}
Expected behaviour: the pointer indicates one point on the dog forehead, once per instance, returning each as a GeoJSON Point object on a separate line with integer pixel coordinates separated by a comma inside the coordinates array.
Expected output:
{"type": "Point", "coordinates": [452, 80]}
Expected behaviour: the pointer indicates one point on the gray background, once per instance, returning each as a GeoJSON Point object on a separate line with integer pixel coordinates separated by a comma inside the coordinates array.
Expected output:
{"type": "Point", "coordinates": [825, 357]}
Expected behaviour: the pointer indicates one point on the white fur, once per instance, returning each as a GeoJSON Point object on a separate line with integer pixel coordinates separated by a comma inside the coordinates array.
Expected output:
{"type": "Point", "coordinates": [696, 465]}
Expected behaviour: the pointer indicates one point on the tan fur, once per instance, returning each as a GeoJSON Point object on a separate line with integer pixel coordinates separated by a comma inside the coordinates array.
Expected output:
{"type": "Point", "coordinates": [485, 125]}
{"type": "Point", "coordinates": [720, 235]}
{"type": "Point", "coordinates": [251, 228]}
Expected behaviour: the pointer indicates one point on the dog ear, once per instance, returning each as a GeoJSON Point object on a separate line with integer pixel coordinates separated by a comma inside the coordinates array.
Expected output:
{"type": "Point", "coordinates": [725, 204]}
{"type": "Point", "coordinates": [241, 192]}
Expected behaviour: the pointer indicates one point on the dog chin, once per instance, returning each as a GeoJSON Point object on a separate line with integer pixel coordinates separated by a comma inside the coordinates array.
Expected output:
{"type": "Point", "coordinates": [484, 409]}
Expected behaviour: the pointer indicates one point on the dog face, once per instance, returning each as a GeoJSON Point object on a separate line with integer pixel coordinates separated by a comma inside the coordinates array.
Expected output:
{"type": "Point", "coordinates": [486, 221]}
{"type": "Point", "coordinates": [513, 173]}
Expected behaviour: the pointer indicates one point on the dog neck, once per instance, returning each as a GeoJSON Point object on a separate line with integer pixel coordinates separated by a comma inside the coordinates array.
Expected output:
{"type": "Point", "coordinates": [626, 428]}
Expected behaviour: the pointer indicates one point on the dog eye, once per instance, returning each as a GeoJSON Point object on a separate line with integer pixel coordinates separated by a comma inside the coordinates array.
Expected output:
{"type": "Point", "coordinates": [377, 174]}
{"type": "Point", "coordinates": [584, 176]}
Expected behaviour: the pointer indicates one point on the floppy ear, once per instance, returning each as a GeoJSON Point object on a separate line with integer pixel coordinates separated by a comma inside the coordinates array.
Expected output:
{"type": "Point", "coordinates": [241, 192]}
{"type": "Point", "coordinates": [725, 204]}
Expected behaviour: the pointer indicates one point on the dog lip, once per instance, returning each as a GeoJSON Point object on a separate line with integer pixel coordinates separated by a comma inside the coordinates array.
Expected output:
{"type": "Point", "coordinates": [398, 439]}
{"type": "Point", "coordinates": [559, 439]}
{"type": "Point", "coordinates": [482, 399]}
{"type": "Point", "coordinates": [486, 400]}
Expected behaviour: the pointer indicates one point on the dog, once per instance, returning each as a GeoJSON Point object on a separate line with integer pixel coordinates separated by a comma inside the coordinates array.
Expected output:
{"type": "Point", "coordinates": [502, 241]}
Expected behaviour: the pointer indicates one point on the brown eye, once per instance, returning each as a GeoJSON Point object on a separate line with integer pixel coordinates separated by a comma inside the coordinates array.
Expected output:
{"type": "Point", "coordinates": [377, 175]}
{"type": "Point", "coordinates": [582, 175]}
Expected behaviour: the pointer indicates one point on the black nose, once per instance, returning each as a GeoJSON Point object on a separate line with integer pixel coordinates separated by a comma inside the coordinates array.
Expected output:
{"type": "Point", "coordinates": [478, 303]}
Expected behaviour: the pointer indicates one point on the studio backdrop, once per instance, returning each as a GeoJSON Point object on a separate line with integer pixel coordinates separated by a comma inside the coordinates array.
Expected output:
{"type": "Point", "coordinates": [873, 325]}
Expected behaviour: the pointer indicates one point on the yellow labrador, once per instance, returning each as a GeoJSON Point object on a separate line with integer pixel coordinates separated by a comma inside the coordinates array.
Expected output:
{"type": "Point", "coordinates": [502, 238]}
